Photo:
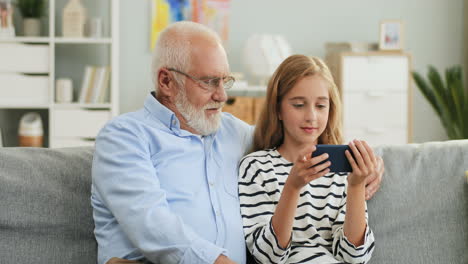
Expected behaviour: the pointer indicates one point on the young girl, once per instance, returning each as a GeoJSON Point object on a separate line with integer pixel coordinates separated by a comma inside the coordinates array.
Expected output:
{"type": "Point", "coordinates": [293, 209]}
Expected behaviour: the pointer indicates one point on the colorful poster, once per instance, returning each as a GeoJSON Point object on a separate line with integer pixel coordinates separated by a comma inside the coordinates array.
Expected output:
{"type": "Point", "coordinates": [164, 12]}
{"type": "Point", "coordinates": [212, 13]}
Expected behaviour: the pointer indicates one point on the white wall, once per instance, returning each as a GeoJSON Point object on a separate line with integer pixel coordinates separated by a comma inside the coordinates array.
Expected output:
{"type": "Point", "coordinates": [434, 35]}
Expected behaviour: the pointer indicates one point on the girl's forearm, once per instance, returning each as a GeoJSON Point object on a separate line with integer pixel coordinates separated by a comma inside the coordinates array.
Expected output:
{"type": "Point", "coordinates": [355, 218]}
{"type": "Point", "coordinates": [283, 218]}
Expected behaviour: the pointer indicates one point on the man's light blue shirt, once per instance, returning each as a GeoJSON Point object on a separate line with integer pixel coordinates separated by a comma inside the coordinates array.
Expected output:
{"type": "Point", "coordinates": [164, 194]}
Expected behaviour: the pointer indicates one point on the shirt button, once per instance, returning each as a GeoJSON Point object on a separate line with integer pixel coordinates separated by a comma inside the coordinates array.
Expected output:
{"type": "Point", "coordinates": [174, 122]}
{"type": "Point", "coordinates": [211, 184]}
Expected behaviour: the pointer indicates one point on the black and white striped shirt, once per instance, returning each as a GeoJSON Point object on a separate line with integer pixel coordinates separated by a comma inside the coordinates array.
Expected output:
{"type": "Point", "coordinates": [317, 235]}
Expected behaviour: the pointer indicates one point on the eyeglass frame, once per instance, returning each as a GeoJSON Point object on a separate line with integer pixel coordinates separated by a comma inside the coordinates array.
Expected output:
{"type": "Point", "coordinates": [207, 83]}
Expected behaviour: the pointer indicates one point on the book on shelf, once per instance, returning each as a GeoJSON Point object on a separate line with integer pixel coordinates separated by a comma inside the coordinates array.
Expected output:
{"type": "Point", "coordinates": [95, 86]}
{"type": "Point", "coordinates": [88, 78]}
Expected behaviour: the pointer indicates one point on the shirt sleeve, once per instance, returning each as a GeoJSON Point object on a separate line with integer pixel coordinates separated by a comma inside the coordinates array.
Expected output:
{"type": "Point", "coordinates": [343, 249]}
{"type": "Point", "coordinates": [127, 182]}
{"type": "Point", "coordinates": [257, 208]}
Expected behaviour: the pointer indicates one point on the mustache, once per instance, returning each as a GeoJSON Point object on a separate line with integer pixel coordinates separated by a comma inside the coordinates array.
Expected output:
{"type": "Point", "coordinates": [213, 105]}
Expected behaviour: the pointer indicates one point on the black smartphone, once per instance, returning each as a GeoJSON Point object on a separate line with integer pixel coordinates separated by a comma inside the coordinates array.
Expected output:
{"type": "Point", "coordinates": [336, 155]}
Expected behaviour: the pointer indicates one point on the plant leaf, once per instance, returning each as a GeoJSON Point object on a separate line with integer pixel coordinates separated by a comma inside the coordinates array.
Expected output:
{"type": "Point", "coordinates": [453, 80]}
{"type": "Point", "coordinates": [426, 91]}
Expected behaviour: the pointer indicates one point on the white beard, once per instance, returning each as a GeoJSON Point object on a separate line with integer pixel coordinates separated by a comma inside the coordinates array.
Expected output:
{"type": "Point", "coordinates": [196, 117]}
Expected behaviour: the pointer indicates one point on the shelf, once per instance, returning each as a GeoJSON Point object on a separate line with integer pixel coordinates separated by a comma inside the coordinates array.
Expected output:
{"type": "Point", "coordinates": [63, 40]}
{"type": "Point", "coordinates": [25, 40]}
{"type": "Point", "coordinates": [60, 40]}
{"type": "Point", "coordinates": [82, 105]}
{"type": "Point", "coordinates": [29, 106]}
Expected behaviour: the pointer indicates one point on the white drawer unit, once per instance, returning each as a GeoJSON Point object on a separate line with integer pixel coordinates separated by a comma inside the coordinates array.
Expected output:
{"type": "Point", "coordinates": [79, 123]}
{"type": "Point", "coordinates": [376, 95]}
{"type": "Point", "coordinates": [24, 58]}
{"type": "Point", "coordinates": [19, 89]}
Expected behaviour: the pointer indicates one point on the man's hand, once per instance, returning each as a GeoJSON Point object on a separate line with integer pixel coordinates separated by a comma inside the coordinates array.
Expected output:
{"type": "Point", "coordinates": [373, 182]}
{"type": "Point", "coordinates": [223, 260]}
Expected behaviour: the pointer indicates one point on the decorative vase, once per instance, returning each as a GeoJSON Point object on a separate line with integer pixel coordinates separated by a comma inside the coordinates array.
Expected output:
{"type": "Point", "coordinates": [73, 19]}
{"type": "Point", "coordinates": [32, 27]}
{"type": "Point", "coordinates": [30, 132]}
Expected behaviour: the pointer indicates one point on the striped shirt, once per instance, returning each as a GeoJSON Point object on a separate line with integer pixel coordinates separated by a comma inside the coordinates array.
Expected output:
{"type": "Point", "coordinates": [317, 235]}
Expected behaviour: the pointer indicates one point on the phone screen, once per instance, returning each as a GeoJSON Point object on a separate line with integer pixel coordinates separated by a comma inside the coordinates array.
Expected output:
{"type": "Point", "coordinates": [336, 155]}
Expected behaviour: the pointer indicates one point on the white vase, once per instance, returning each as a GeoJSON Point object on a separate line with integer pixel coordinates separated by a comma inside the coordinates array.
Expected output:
{"type": "Point", "coordinates": [32, 27]}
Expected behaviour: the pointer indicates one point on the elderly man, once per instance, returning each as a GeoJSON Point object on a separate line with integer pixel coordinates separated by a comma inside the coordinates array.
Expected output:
{"type": "Point", "coordinates": [165, 177]}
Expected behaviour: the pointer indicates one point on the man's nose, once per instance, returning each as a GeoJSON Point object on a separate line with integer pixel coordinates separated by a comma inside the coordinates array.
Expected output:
{"type": "Point", "coordinates": [219, 94]}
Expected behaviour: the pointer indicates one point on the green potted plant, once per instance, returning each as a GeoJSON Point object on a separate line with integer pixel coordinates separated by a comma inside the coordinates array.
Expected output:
{"type": "Point", "coordinates": [448, 98]}
{"type": "Point", "coordinates": [32, 11]}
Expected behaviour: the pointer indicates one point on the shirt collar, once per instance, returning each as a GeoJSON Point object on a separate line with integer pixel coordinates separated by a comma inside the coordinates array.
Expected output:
{"type": "Point", "coordinates": [161, 112]}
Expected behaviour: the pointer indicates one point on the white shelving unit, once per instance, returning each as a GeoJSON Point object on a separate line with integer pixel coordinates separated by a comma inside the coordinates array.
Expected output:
{"type": "Point", "coordinates": [376, 93]}
{"type": "Point", "coordinates": [29, 64]}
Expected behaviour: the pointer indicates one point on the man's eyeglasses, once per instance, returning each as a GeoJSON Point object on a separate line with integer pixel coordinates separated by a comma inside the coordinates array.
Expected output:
{"type": "Point", "coordinates": [209, 84]}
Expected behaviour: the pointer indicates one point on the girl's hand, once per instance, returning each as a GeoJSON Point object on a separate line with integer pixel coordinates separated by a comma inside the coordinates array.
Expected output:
{"type": "Point", "coordinates": [373, 182]}
{"type": "Point", "coordinates": [305, 168]}
{"type": "Point", "coordinates": [364, 164]}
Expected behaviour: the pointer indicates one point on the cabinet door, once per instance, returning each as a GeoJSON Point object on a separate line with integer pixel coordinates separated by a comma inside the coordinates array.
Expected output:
{"type": "Point", "coordinates": [377, 136]}
{"type": "Point", "coordinates": [24, 58]}
{"type": "Point", "coordinates": [18, 89]}
{"type": "Point", "coordinates": [79, 123]}
{"type": "Point", "coordinates": [375, 73]}
{"type": "Point", "coordinates": [241, 107]}
{"type": "Point", "coordinates": [383, 110]}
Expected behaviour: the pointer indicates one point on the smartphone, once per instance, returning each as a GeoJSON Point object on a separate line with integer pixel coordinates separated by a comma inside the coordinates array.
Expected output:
{"type": "Point", "coordinates": [336, 155]}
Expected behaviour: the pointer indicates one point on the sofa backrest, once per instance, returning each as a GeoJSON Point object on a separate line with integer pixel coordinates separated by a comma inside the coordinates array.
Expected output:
{"type": "Point", "coordinates": [45, 211]}
{"type": "Point", "coordinates": [420, 214]}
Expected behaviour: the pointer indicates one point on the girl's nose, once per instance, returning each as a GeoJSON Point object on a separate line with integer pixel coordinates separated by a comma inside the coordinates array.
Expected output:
{"type": "Point", "coordinates": [311, 115]}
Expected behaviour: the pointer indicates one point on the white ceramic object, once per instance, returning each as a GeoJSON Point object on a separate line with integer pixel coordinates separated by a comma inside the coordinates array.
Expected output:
{"type": "Point", "coordinates": [64, 90]}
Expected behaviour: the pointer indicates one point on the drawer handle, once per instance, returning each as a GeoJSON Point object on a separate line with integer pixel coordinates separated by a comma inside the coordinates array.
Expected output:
{"type": "Point", "coordinates": [375, 94]}
{"type": "Point", "coordinates": [90, 139]}
{"type": "Point", "coordinates": [373, 130]}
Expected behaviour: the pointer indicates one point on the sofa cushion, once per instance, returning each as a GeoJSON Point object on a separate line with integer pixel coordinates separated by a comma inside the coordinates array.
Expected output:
{"type": "Point", "coordinates": [45, 211]}
{"type": "Point", "coordinates": [420, 214]}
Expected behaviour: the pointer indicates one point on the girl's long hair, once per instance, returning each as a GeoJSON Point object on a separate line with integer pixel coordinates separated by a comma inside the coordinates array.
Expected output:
{"type": "Point", "coordinates": [269, 129]}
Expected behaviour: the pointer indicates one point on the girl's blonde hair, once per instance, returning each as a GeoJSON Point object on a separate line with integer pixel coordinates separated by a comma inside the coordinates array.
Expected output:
{"type": "Point", "coordinates": [269, 129]}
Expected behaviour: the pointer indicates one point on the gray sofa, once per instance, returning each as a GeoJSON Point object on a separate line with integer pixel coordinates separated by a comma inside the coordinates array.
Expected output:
{"type": "Point", "coordinates": [420, 214]}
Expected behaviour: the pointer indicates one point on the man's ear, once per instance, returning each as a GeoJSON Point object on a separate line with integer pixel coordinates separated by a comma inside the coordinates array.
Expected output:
{"type": "Point", "coordinates": [166, 84]}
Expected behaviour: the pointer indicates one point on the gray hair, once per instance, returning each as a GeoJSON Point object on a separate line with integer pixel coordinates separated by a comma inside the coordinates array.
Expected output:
{"type": "Point", "coordinates": [173, 49]}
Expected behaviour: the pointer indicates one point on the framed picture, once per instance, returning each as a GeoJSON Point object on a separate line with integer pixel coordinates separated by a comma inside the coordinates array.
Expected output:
{"type": "Point", "coordinates": [391, 35]}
